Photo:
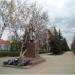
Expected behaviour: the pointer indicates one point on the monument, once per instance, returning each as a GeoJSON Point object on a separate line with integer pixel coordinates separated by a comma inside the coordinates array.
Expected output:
{"type": "Point", "coordinates": [31, 44]}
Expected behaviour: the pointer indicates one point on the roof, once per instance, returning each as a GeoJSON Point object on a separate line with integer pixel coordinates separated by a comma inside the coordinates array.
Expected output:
{"type": "Point", "coordinates": [4, 42]}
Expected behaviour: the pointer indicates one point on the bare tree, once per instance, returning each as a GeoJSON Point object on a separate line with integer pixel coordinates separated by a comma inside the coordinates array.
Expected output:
{"type": "Point", "coordinates": [28, 18]}
{"type": "Point", "coordinates": [14, 16]}
{"type": "Point", "coordinates": [38, 22]}
{"type": "Point", "coordinates": [3, 12]}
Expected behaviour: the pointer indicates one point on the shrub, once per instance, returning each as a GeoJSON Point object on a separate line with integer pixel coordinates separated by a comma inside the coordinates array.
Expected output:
{"type": "Point", "coordinates": [44, 51]}
{"type": "Point", "coordinates": [73, 50]}
{"type": "Point", "coordinates": [9, 53]}
{"type": "Point", "coordinates": [15, 45]}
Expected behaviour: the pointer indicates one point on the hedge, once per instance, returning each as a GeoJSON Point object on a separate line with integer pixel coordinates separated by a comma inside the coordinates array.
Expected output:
{"type": "Point", "coordinates": [9, 53]}
{"type": "Point", "coordinates": [73, 50]}
{"type": "Point", "coordinates": [44, 51]}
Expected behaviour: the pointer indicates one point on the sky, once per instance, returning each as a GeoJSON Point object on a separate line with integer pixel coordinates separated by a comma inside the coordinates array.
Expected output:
{"type": "Point", "coordinates": [61, 14]}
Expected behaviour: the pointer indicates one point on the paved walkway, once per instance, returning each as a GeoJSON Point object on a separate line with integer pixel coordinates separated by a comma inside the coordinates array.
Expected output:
{"type": "Point", "coordinates": [59, 64]}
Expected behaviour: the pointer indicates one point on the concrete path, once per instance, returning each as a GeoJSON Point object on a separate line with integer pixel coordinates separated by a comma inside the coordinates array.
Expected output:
{"type": "Point", "coordinates": [59, 64]}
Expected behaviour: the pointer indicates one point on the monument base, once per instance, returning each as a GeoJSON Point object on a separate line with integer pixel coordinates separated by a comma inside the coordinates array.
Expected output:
{"type": "Point", "coordinates": [33, 62]}
{"type": "Point", "coordinates": [32, 50]}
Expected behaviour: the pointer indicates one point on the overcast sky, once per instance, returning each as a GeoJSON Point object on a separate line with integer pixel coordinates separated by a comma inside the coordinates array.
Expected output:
{"type": "Point", "coordinates": [61, 14]}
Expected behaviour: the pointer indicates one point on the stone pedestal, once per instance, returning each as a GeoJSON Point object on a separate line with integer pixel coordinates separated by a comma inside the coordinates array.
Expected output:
{"type": "Point", "coordinates": [31, 49]}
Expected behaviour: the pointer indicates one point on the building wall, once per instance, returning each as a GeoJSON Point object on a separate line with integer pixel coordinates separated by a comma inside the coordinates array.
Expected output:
{"type": "Point", "coordinates": [4, 47]}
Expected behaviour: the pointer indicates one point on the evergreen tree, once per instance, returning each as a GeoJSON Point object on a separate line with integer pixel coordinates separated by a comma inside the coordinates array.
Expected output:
{"type": "Point", "coordinates": [65, 46]}
{"type": "Point", "coordinates": [55, 33]}
{"type": "Point", "coordinates": [55, 43]}
{"type": "Point", "coordinates": [60, 35]}
{"type": "Point", "coordinates": [63, 42]}
{"type": "Point", "coordinates": [58, 44]}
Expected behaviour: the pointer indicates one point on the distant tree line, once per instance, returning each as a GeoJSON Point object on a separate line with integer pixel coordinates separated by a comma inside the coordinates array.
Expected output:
{"type": "Point", "coordinates": [73, 45]}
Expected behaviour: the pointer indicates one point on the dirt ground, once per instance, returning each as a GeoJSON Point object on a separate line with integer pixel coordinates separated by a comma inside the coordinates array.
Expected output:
{"type": "Point", "coordinates": [59, 64]}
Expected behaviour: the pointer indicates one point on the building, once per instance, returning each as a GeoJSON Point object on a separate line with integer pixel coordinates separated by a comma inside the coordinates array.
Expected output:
{"type": "Point", "coordinates": [4, 45]}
